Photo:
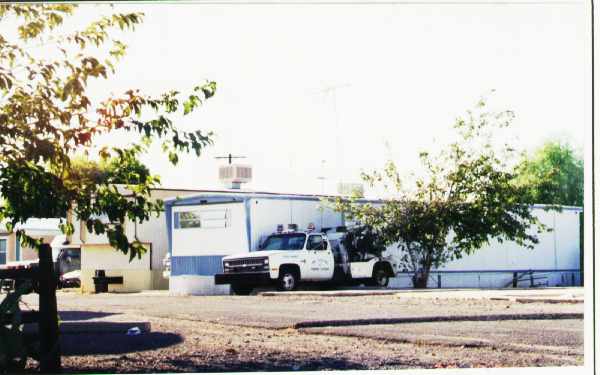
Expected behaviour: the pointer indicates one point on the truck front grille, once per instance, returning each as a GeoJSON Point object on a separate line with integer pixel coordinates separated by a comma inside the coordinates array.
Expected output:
{"type": "Point", "coordinates": [245, 265]}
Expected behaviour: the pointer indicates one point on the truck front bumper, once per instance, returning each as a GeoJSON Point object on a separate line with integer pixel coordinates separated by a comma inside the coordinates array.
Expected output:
{"type": "Point", "coordinates": [245, 278]}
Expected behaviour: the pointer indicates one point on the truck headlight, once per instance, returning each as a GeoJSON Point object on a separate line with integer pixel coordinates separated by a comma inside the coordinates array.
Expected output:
{"type": "Point", "coordinates": [266, 260]}
{"type": "Point", "coordinates": [226, 264]}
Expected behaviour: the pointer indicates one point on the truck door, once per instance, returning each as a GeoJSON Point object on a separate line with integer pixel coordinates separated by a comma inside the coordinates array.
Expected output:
{"type": "Point", "coordinates": [319, 258]}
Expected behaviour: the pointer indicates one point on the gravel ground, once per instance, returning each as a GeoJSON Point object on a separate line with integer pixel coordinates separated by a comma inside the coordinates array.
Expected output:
{"type": "Point", "coordinates": [285, 312]}
{"type": "Point", "coordinates": [227, 333]}
{"type": "Point", "coordinates": [200, 347]}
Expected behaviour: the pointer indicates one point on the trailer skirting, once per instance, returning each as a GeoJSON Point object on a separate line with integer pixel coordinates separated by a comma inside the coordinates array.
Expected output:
{"type": "Point", "coordinates": [207, 265]}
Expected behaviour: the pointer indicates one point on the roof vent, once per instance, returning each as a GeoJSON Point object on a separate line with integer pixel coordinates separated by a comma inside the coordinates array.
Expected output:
{"type": "Point", "coordinates": [233, 175]}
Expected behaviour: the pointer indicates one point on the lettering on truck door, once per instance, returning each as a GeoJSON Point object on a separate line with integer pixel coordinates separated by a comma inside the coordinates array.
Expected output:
{"type": "Point", "coordinates": [319, 258]}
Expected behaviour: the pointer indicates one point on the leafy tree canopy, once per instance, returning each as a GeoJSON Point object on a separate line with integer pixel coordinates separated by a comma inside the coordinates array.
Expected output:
{"type": "Point", "coordinates": [362, 240]}
{"type": "Point", "coordinates": [553, 174]}
{"type": "Point", "coordinates": [107, 171]}
{"type": "Point", "coordinates": [463, 199]}
{"type": "Point", "coordinates": [47, 116]}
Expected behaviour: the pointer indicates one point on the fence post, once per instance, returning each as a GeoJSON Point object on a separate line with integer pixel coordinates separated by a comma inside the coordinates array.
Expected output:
{"type": "Point", "coordinates": [514, 279]}
{"type": "Point", "coordinates": [48, 318]}
{"type": "Point", "coordinates": [531, 278]}
{"type": "Point", "coordinates": [439, 281]}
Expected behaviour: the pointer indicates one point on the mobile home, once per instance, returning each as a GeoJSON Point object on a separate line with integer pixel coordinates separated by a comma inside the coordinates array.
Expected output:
{"type": "Point", "coordinates": [556, 260]}
{"type": "Point", "coordinates": [203, 228]}
{"type": "Point", "coordinates": [142, 273]}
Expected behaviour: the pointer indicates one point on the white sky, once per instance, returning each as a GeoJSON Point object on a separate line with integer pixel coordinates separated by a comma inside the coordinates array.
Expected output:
{"type": "Point", "coordinates": [411, 69]}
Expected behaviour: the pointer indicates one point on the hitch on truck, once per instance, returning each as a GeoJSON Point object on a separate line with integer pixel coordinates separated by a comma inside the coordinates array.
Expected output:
{"type": "Point", "coordinates": [286, 259]}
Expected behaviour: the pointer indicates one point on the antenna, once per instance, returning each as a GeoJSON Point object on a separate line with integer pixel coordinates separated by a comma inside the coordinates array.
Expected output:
{"type": "Point", "coordinates": [230, 157]}
{"type": "Point", "coordinates": [332, 89]}
{"type": "Point", "coordinates": [322, 177]}
{"type": "Point", "coordinates": [388, 149]}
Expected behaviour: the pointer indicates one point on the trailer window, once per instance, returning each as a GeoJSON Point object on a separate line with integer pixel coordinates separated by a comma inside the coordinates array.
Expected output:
{"type": "Point", "coordinates": [285, 242]}
{"type": "Point", "coordinates": [217, 218]}
{"type": "Point", "coordinates": [187, 219]}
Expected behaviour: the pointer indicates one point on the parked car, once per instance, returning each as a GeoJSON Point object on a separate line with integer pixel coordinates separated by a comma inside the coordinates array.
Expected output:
{"type": "Point", "coordinates": [68, 267]}
{"type": "Point", "coordinates": [70, 279]}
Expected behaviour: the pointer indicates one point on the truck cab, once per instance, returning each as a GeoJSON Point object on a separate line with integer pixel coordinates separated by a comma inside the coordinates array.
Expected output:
{"type": "Point", "coordinates": [284, 259]}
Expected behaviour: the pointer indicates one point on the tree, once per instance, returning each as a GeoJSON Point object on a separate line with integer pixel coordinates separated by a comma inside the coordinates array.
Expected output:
{"type": "Point", "coordinates": [362, 240]}
{"type": "Point", "coordinates": [47, 116]}
{"type": "Point", "coordinates": [465, 197]}
{"type": "Point", "coordinates": [107, 171]}
{"type": "Point", "coordinates": [553, 174]}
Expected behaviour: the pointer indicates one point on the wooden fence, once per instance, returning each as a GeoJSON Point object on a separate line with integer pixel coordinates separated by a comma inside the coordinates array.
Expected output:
{"type": "Point", "coordinates": [44, 281]}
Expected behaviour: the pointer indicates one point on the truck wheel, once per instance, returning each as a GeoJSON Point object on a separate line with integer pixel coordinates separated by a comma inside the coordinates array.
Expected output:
{"type": "Point", "coordinates": [241, 290]}
{"type": "Point", "coordinates": [288, 281]}
{"type": "Point", "coordinates": [380, 278]}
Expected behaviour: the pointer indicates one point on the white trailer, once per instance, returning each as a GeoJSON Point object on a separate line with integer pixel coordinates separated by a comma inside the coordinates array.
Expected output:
{"type": "Point", "coordinates": [555, 260]}
{"type": "Point", "coordinates": [204, 228]}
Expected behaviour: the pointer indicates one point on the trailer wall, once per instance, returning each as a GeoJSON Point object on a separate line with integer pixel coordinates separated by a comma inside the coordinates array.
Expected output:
{"type": "Point", "coordinates": [556, 256]}
{"type": "Point", "coordinates": [196, 253]}
{"type": "Point", "coordinates": [266, 214]}
{"type": "Point", "coordinates": [136, 273]}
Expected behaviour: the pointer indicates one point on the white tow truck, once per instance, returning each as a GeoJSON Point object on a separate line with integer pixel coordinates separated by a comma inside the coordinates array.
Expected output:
{"type": "Point", "coordinates": [286, 259]}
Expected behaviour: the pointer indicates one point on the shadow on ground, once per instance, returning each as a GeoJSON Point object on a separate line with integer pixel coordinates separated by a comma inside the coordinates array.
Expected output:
{"type": "Point", "coordinates": [193, 363]}
{"type": "Point", "coordinates": [72, 316]}
{"type": "Point", "coordinates": [434, 319]}
{"type": "Point", "coordinates": [115, 343]}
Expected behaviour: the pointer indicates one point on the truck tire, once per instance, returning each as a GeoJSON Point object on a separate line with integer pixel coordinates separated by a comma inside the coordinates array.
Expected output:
{"type": "Point", "coordinates": [288, 280]}
{"type": "Point", "coordinates": [380, 278]}
{"type": "Point", "coordinates": [241, 290]}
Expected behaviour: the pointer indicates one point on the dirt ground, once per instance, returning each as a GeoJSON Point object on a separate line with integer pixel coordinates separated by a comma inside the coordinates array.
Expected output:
{"type": "Point", "coordinates": [257, 333]}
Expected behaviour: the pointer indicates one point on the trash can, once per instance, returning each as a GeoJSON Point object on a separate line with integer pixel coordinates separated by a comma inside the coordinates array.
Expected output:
{"type": "Point", "coordinates": [100, 282]}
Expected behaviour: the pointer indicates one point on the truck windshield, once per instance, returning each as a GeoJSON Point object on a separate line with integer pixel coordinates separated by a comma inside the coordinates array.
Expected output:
{"type": "Point", "coordinates": [291, 241]}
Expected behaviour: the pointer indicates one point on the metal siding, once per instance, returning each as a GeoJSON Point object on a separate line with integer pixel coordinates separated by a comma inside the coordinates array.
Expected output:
{"type": "Point", "coordinates": [168, 213]}
{"type": "Point", "coordinates": [248, 223]}
{"type": "Point", "coordinates": [265, 216]}
{"type": "Point", "coordinates": [207, 265]}
{"type": "Point", "coordinates": [255, 228]}
{"type": "Point", "coordinates": [228, 240]}
{"type": "Point", "coordinates": [558, 249]}
{"type": "Point", "coordinates": [567, 239]}
{"type": "Point", "coordinates": [505, 255]}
